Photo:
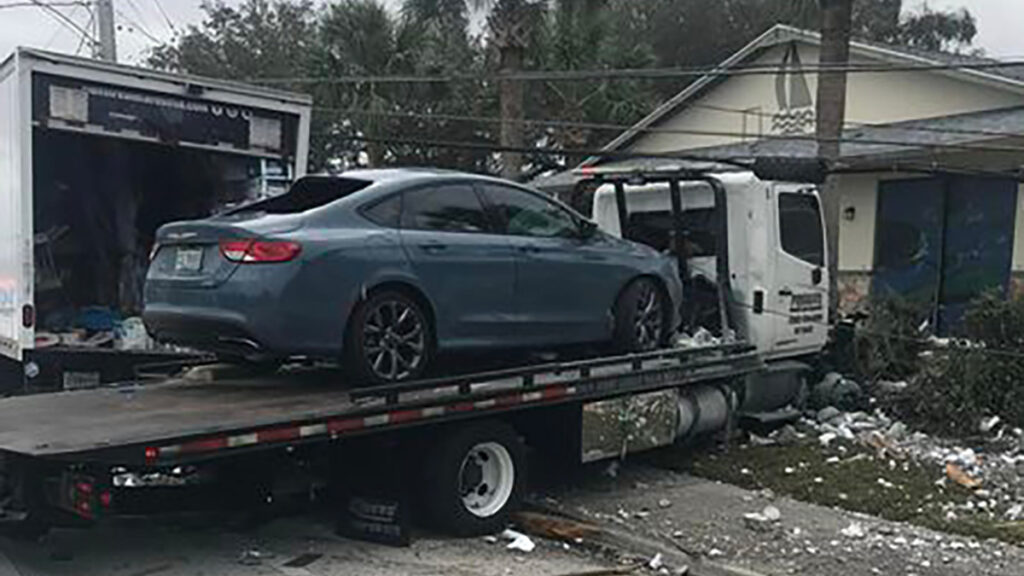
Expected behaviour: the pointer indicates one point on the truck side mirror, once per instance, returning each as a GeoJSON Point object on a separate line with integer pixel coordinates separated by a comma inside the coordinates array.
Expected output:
{"type": "Point", "coordinates": [587, 229]}
{"type": "Point", "coordinates": [816, 276]}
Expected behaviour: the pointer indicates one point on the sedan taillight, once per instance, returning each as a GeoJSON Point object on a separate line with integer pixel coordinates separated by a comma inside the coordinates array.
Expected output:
{"type": "Point", "coordinates": [259, 251]}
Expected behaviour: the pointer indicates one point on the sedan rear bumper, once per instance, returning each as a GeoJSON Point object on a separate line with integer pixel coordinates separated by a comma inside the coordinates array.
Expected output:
{"type": "Point", "coordinates": [207, 329]}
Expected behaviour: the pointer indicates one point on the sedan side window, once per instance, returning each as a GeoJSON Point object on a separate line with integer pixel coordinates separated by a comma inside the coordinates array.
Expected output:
{"type": "Point", "coordinates": [444, 208]}
{"type": "Point", "coordinates": [523, 214]}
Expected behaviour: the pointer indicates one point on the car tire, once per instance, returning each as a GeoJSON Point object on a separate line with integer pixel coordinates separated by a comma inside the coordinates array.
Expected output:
{"type": "Point", "coordinates": [390, 340]}
{"type": "Point", "coordinates": [474, 479]}
{"type": "Point", "coordinates": [641, 318]}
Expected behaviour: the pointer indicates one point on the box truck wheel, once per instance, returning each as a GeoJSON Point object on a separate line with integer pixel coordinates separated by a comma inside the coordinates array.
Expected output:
{"type": "Point", "coordinates": [474, 478]}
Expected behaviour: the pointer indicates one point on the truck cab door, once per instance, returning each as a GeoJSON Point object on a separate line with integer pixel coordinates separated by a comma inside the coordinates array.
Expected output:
{"type": "Point", "coordinates": [797, 301]}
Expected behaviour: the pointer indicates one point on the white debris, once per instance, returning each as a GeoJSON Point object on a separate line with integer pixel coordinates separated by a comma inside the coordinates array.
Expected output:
{"type": "Point", "coordinates": [988, 424]}
{"type": "Point", "coordinates": [1014, 512]}
{"type": "Point", "coordinates": [772, 513]}
{"type": "Point", "coordinates": [854, 530]}
{"type": "Point", "coordinates": [826, 438]}
{"type": "Point", "coordinates": [491, 539]}
{"type": "Point", "coordinates": [745, 471]}
{"type": "Point", "coordinates": [885, 483]}
{"type": "Point", "coordinates": [715, 552]}
{"type": "Point", "coordinates": [664, 503]}
{"type": "Point", "coordinates": [518, 541]}
{"type": "Point", "coordinates": [832, 460]}
{"type": "Point", "coordinates": [612, 470]}
{"type": "Point", "coordinates": [789, 470]}
{"type": "Point", "coordinates": [655, 563]}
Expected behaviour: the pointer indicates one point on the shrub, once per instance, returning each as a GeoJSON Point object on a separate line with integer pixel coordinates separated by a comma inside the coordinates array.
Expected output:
{"type": "Point", "coordinates": [979, 375]}
{"type": "Point", "coordinates": [888, 341]}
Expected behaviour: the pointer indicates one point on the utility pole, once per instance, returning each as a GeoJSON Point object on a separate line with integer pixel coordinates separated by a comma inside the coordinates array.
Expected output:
{"type": "Point", "coordinates": [836, 16]}
{"type": "Point", "coordinates": [511, 95]}
{"type": "Point", "coordinates": [107, 49]}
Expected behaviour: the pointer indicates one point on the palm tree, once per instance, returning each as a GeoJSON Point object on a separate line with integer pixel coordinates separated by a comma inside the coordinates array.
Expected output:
{"type": "Point", "coordinates": [510, 27]}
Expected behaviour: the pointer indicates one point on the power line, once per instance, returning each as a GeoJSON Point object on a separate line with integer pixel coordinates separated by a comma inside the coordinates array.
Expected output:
{"type": "Point", "coordinates": [676, 131]}
{"type": "Point", "coordinates": [167, 18]}
{"type": "Point", "coordinates": [31, 4]}
{"type": "Point", "coordinates": [64, 20]}
{"type": "Point", "coordinates": [633, 73]}
{"type": "Point", "coordinates": [139, 27]}
{"type": "Point", "coordinates": [81, 43]}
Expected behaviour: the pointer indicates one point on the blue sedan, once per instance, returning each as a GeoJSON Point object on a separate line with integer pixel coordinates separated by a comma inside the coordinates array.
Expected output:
{"type": "Point", "coordinates": [381, 269]}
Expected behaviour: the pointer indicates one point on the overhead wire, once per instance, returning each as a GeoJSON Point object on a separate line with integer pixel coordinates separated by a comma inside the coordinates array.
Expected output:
{"type": "Point", "coordinates": [139, 27]}
{"type": "Point", "coordinates": [29, 4]}
{"type": "Point", "coordinates": [166, 16]}
{"type": "Point", "coordinates": [64, 20]}
{"type": "Point", "coordinates": [92, 20]}
{"type": "Point", "coordinates": [752, 138]}
{"type": "Point", "coordinates": [634, 73]}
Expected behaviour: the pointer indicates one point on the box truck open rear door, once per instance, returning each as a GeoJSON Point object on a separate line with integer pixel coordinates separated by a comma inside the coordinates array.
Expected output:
{"type": "Point", "coordinates": [16, 312]}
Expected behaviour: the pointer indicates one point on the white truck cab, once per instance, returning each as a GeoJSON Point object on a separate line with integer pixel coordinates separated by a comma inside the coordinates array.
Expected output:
{"type": "Point", "coordinates": [777, 284]}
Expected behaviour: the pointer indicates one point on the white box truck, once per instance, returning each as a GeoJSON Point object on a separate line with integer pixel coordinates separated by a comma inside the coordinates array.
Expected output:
{"type": "Point", "coordinates": [94, 157]}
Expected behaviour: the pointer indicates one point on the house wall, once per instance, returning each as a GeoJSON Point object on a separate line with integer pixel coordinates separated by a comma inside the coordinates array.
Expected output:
{"type": "Point", "coordinates": [745, 107]}
{"type": "Point", "coordinates": [857, 237]}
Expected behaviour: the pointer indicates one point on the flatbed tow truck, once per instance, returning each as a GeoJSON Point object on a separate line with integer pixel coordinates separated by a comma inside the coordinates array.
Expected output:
{"type": "Point", "coordinates": [457, 442]}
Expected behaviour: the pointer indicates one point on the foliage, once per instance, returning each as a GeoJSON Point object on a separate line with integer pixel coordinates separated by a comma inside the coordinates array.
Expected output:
{"type": "Point", "coordinates": [977, 376]}
{"type": "Point", "coordinates": [352, 123]}
{"type": "Point", "coordinates": [888, 343]}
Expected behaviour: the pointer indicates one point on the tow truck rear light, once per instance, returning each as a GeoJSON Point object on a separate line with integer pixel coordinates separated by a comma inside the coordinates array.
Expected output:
{"type": "Point", "coordinates": [259, 251]}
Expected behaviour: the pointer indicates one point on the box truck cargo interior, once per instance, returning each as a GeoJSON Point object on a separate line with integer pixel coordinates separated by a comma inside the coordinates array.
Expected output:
{"type": "Point", "coordinates": [97, 204]}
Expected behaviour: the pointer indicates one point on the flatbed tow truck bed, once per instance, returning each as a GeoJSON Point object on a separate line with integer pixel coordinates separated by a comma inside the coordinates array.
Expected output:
{"type": "Point", "coordinates": [183, 419]}
{"type": "Point", "coordinates": [61, 453]}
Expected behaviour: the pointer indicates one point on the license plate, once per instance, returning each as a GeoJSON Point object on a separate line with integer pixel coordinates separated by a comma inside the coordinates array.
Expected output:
{"type": "Point", "coordinates": [188, 260]}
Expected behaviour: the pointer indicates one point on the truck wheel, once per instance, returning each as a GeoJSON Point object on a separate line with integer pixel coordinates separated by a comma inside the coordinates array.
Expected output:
{"type": "Point", "coordinates": [474, 479]}
{"type": "Point", "coordinates": [641, 318]}
{"type": "Point", "coordinates": [389, 340]}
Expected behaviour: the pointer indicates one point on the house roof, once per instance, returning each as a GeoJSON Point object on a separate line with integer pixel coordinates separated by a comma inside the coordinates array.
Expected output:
{"type": "Point", "coordinates": [1008, 77]}
{"type": "Point", "coordinates": [862, 145]}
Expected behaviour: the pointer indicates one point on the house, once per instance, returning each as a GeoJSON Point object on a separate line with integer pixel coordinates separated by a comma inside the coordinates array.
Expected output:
{"type": "Point", "coordinates": [932, 155]}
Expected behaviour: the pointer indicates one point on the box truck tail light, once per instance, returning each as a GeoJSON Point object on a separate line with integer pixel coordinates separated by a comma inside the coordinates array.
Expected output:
{"type": "Point", "coordinates": [259, 251]}
{"type": "Point", "coordinates": [28, 316]}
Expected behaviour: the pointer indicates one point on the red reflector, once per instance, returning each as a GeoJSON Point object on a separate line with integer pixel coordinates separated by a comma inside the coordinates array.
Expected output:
{"type": "Point", "coordinates": [84, 488]}
{"type": "Point", "coordinates": [259, 251]}
{"type": "Point", "coordinates": [28, 316]}
{"type": "Point", "coordinates": [105, 499]}
{"type": "Point", "coordinates": [152, 453]}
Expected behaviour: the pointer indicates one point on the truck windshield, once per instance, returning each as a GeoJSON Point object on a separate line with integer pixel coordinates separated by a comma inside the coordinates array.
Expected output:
{"type": "Point", "coordinates": [306, 194]}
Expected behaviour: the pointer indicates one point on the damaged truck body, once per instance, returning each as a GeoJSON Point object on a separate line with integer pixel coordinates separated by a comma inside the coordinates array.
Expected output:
{"type": "Point", "coordinates": [94, 157]}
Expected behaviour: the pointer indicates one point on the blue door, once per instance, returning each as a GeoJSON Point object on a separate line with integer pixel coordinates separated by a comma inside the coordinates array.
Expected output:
{"type": "Point", "coordinates": [978, 247]}
{"type": "Point", "coordinates": [467, 270]}
{"type": "Point", "coordinates": [565, 284]}
{"type": "Point", "coordinates": [941, 242]}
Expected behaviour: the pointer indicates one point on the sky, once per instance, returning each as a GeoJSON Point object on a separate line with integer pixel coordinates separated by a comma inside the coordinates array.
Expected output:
{"type": "Point", "coordinates": [142, 25]}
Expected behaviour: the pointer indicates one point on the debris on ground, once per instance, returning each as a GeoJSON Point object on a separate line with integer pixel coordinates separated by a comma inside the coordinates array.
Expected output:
{"type": "Point", "coordinates": [518, 541]}
{"type": "Point", "coordinates": [656, 562]}
{"type": "Point", "coordinates": [862, 459]}
{"type": "Point", "coordinates": [253, 557]}
{"type": "Point", "coordinates": [553, 527]}
{"type": "Point", "coordinates": [854, 530]}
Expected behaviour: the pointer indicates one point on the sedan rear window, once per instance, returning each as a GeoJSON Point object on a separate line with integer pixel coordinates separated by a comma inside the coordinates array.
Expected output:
{"type": "Point", "coordinates": [306, 194]}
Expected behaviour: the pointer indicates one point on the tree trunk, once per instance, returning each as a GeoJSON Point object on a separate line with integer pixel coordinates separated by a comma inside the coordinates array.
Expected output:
{"type": "Point", "coordinates": [511, 94]}
{"type": "Point", "coordinates": [831, 115]}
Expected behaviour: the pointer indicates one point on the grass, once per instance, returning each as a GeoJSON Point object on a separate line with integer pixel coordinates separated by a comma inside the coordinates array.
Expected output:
{"type": "Point", "coordinates": [911, 494]}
